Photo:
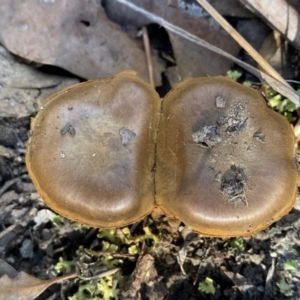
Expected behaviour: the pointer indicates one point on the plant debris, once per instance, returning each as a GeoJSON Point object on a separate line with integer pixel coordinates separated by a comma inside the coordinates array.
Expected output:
{"type": "Point", "coordinates": [39, 248]}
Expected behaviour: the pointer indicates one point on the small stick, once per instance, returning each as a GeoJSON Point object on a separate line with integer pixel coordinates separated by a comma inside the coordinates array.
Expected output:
{"type": "Point", "coordinates": [268, 284]}
{"type": "Point", "coordinates": [115, 255]}
{"type": "Point", "coordinates": [148, 55]}
{"type": "Point", "coordinates": [8, 184]}
{"type": "Point", "coordinates": [241, 41]}
{"type": "Point", "coordinates": [20, 222]}
{"type": "Point", "coordinates": [101, 275]}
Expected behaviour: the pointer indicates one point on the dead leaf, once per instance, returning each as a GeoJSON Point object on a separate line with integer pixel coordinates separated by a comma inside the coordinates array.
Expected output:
{"type": "Point", "coordinates": [280, 16]}
{"type": "Point", "coordinates": [274, 51]}
{"type": "Point", "coordinates": [23, 88]}
{"type": "Point", "coordinates": [232, 8]}
{"type": "Point", "coordinates": [191, 60]}
{"type": "Point", "coordinates": [281, 87]}
{"type": "Point", "coordinates": [144, 282]}
{"type": "Point", "coordinates": [269, 278]}
{"type": "Point", "coordinates": [25, 286]}
{"type": "Point", "coordinates": [243, 284]}
{"type": "Point", "coordinates": [74, 35]}
{"type": "Point", "coordinates": [5, 268]}
{"type": "Point", "coordinates": [270, 75]}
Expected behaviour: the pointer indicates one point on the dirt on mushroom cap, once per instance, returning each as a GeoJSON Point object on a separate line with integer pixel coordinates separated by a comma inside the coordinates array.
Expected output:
{"type": "Point", "coordinates": [92, 151]}
{"type": "Point", "coordinates": [227, 172]}
{"type": "Point", "coordinates": [217, 163]}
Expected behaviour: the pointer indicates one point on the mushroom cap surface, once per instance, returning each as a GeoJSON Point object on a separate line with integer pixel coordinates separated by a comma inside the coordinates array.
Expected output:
{"type": "Point", "coordinates": [92, 151]}
{"type": "Point", "coordinates": [225, 161]}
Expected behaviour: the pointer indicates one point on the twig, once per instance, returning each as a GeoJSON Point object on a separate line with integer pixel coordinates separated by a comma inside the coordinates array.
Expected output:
{"type": "Point", "coordinates": [60, 249]}
{"type": "Point", "coordinates": [181, 256]}
{"type": "Point", "coordinates": [241, 41]}
{"type": "Point", "coordinates": [54, 296]}
{"type": "Point", "coordinates": [8, 184]}
{"type": "Point", "coordinates": [182, 253]}
{"type": "Point", "coordinates": [297, 131]}
{"type": "Point", "coordinates": [90, 233]}
{"type": "Point", "coordinates": [199, 267]}
{"type": "Point", "coordinates": [292, 81]}
{"type": "Point", "coordinates": [148, 55]}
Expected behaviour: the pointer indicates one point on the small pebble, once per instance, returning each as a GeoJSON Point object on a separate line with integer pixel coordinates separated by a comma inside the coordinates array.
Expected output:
{"type": "Point", "coordinates": [220, 102]}
{"type": "Point", "coordinates": [169, 259]}
{"type": "Point", "coordinates": [26, 249]}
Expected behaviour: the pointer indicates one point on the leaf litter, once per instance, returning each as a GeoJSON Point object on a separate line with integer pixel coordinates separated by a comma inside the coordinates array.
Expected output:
{"type": "Point", "coordinates": [263, 266]}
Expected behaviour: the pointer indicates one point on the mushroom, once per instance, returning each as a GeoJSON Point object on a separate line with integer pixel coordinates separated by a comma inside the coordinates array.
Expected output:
{"type": "Point", "coordinates": [222, 161]}
{"type": "Point", "coordinates": [225, 161]}
{"type": "Point", "coordinates": [92, 151]}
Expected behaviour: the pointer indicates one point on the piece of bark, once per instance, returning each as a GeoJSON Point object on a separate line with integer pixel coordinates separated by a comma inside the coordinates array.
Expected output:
{"type": "Point", "coordinates": [144, 282]}
{"type": "Point", "coordinates": [194, 61]}
{"type": "Point", "coordinates": [191, 59]}
{"type": "Point", "coordinates": [74, 35]}
{"type": "Point", "coordinates": [244, 285]}
{"type": "Point", "coordinates": [280, 16]}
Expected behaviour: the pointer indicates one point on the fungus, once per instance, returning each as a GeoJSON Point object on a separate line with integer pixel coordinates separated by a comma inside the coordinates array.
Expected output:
{"type": "Point", "coordinates": [92, 151]}
{"type": "Point", "coordinates": [225, 161]}
{"type": "Point", "coordinates": [222, 161]}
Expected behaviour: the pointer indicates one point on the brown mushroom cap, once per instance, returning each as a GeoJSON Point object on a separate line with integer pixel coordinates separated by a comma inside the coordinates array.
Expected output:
{"type": "Point", "coordinates": [92, 151]}
{"type": "Point", "coordinates": [225, 161]}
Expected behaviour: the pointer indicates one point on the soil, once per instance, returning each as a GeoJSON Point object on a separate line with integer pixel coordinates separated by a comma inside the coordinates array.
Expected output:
{"type": "Point", "coordinates": [29, 242]}
{"type": "Point", "coordinates": [170, 261]}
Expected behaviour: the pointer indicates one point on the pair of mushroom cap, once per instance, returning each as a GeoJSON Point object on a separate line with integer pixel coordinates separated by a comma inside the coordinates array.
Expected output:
{"type": "Point", "coordinates": [211, 153]}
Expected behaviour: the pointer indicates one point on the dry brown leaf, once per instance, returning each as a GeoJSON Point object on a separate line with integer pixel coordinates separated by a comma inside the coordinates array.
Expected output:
{"type": "Point", "coordinates": [144, 282]}
{"type": "Point", "coordinates": [74, 35]}
{"type": "Point", "coordinates": [191, 60]}
{"type": "Point", "coordinates": [241, 40]}
{"type": "Point", "coordinates": [275, 51]}
{"type": "Point", "coordinates": [243, 284]}
{"type": "Point", "coordinates": [23, 88]}
{"type": "Point", "coordinates": [25, 286]}
{"type": "Point", "coordinates": [280, 16]}
{"type": "Point", "coordinates": [5, 268]}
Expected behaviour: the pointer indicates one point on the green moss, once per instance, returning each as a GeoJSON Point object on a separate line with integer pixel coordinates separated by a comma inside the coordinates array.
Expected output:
{"type": "Point", "coordinates": [207, 286]}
